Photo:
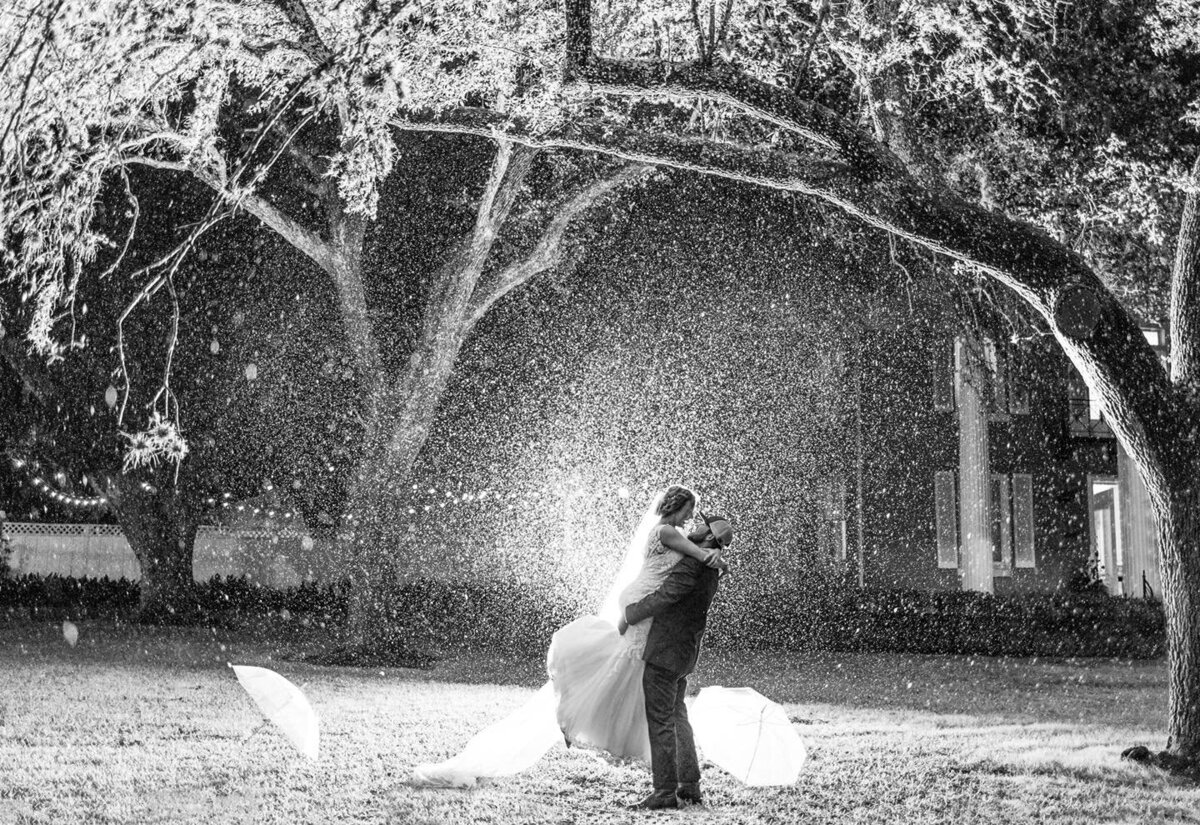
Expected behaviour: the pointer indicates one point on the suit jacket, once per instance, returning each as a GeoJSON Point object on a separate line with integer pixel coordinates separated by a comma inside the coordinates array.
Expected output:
{"type": "Point", "coordinates": [680, 610]}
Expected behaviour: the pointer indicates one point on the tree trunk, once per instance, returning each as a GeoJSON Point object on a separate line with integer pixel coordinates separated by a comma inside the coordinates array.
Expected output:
{"type": "Point", "coordinates": [161, 530]}
{"type": "Point", "coordinates": [1178, 506]}
{"type": "Point", "coordinates": [1179, 540]}
{"type": "Point", "coordinates": [378, 503]}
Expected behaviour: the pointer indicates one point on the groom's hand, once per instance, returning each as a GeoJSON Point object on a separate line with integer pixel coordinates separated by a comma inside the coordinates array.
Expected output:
{"type": "Point", "coordinates": [622, 625]}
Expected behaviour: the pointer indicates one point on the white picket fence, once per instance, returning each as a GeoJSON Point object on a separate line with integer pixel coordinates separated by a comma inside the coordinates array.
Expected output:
{"type": "Point", "coordinates": [280, 559]}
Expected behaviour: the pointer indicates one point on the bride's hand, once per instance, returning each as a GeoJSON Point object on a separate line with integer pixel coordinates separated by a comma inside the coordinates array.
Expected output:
{"type": "Point", "coordinates": [716, 559]}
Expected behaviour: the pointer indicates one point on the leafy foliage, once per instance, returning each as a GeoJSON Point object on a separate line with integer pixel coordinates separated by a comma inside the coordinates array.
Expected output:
{"type": "Point", "coordinates": [59, 597]}
{"type": "Point", "coordinates": [912, 621]}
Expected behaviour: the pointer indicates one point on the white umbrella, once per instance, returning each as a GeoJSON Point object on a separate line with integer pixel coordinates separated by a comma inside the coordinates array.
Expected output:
{"type": "Point", "coordinates": [284, 704]}
{"type": "Point", "coordinates": [748, 735]}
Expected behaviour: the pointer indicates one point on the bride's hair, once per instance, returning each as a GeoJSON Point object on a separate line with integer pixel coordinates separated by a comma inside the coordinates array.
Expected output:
{"type": "Point", "coordinates": [675, 499]}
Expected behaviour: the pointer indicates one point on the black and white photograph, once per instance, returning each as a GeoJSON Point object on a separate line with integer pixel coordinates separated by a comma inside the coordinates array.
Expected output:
{"type": "Point", "coordinates": [473, 412]}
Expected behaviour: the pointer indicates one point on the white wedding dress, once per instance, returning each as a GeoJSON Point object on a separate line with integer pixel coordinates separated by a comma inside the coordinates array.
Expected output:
{"type": "Point", "coordinates": [597, 673]}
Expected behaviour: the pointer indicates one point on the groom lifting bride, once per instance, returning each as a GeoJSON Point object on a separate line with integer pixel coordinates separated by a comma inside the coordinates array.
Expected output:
{"type": "Point", "coordinates": [617, 682]}
{"type": "Point", "coordinates": [679, 608]}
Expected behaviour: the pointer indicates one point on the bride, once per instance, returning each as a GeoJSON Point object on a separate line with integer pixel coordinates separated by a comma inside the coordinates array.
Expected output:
{"type": "Point", "coordinates": [597, 672]}
{"type": "Point", "coordinates": [594, 696]}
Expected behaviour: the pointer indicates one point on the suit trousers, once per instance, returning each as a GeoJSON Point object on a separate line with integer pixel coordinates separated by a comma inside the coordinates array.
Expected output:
{"type": "Point", "coordinates": [673, 760]}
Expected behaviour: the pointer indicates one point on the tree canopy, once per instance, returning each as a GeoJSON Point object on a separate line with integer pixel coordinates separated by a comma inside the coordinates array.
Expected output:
{"type": "Point", "coordinates": [1036, 145]}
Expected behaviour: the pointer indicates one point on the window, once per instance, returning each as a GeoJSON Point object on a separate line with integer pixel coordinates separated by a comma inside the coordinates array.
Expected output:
{"type": "Point", "coordinates": [1000, 524]}
{"type": "Point", "coordinates": [945, 492]}
{"type": "Point", "coordinates": [833, 525]}
{"type": "Point", "coordinates": [1008, 392]}
{"type": "Point", "coordinates": [1086, 410]}
{"type": "Point", "coordinates": [1018, 381]}
{"type": "Point", "coordinates": [1023, 523]}
{"type": "Point", "coordinates": [943, 376]}
{"type": "Point", "coordinates": [1011, 524]}
{"type": "Point", "coordinates": [1086, 420]}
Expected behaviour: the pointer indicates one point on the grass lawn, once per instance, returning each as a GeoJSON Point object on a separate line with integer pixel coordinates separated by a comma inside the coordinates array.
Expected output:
{"type": "Point", "coordinates": [138, 725]}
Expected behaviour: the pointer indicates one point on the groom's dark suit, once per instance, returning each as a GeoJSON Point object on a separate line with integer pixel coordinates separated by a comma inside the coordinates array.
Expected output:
{"type": "Point", "coordinates": [680, 611]}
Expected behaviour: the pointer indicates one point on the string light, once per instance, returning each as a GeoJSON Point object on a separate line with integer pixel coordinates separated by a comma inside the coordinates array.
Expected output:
{"type": "Point", "coordinates": [443, 496]}
{"type": "Point", "coordinates": [41, 485]}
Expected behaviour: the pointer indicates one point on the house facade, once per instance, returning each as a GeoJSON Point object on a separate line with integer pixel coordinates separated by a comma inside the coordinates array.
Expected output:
{"type": "Point", "coordinates": [987, 466]}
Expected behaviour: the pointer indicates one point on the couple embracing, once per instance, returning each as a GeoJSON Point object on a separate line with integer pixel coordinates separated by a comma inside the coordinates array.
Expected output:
{"type": "Point", "coordinates": [618, 685]}
{"type": "Point", "coordinates": [624, 692]}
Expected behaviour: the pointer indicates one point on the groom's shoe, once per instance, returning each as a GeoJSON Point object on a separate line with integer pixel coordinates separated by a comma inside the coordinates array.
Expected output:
{"type": "Point", "coordinates": [688, 793]}
{"type": "Point", "coordinates": [656, 801]}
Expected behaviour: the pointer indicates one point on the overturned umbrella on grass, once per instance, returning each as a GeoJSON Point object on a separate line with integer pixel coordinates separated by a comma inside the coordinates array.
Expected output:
{"type": "Point", "coordinates": [748, 735]}
{"type": "Point", "coordinates": [284, 704]}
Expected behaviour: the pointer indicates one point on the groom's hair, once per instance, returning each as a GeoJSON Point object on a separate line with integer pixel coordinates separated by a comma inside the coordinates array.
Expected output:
{"type": "Point", "coordinates": [675, 499]}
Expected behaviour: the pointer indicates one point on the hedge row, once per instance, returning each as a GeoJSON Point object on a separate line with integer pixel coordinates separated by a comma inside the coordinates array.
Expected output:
{"type": "Point", "coordinates": [59, 597]}
{"type": "Point", "coordinates": [907, 621]}
{"type": "Point", "coordinates": [520, 617]}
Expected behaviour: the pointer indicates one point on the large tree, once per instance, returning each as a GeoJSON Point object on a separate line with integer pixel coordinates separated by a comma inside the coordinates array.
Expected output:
{"type": "Point", "coordinates": [284, 112]}
{"type": "Point", "coordinates": [665, 84]}
{"type": "Point", "coordinates": [245, 423]}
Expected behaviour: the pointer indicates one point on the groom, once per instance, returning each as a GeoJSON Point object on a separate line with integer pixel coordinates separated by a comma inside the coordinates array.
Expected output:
{"type": "Point", "coordinates": [680, 611]}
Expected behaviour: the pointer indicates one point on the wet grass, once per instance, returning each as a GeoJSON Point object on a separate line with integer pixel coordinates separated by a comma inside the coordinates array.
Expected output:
{"type": "Point", "coordinates": [139, 725]}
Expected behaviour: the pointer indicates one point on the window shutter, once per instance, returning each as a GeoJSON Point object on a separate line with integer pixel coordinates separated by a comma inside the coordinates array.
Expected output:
{"type": "Point", "coordinates": [1000, 524]}
{"type": "Point", "coordinates": [946, 513]}
{"type": "Point", "coordinates": [1023, 519]}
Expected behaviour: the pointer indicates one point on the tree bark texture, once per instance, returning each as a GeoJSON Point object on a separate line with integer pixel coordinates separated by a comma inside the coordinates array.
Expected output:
{"type": "Point", "coordinates": [1179, 543]}
{"type": "Point", "coordinates": [1177, 502]}
{"type": "Point", "coordinates": [161, 530]}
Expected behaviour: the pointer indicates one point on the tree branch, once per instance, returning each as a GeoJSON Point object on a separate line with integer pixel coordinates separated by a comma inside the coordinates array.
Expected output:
{"type": "Point", "coordinates": [311, 44]}
{"type": "Point", "coordinates": [548, 252]}
{"type": "Point", "coordinates": [822, 13]}
{"type": "Point", "coordinates": [299, 236]}
{"type": "Point", "coordinates": [446, 314]}
{"type": "Point", "coordinates": [579, 34]}
{"type": "Point", "coordinates": [306, 158]}
{"type": "Point", "coordinates": [1185, 294]}
{"type": "Point", "coordinates": [35, 382]}
{"type": "Point", "coordinates": [1100, 338]}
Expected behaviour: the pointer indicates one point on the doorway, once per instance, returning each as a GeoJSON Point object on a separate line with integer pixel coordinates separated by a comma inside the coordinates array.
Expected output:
{"type": "Point", "coordinates": [1108, 553]}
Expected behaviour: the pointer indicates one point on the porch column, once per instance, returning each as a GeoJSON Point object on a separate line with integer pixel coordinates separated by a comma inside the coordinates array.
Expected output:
{"type": "Point", "coordinates": [974, 474]}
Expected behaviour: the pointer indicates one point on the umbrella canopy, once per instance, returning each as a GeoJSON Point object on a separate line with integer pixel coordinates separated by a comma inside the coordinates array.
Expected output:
{"type": "Point", "coordinates": [748, 735]}
{"type": "Point", "coordinates": [284, 704]}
